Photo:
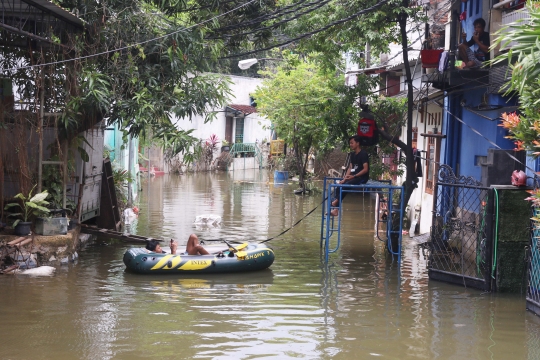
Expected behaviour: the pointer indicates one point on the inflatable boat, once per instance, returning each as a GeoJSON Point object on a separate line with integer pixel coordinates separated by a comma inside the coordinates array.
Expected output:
{"type": "Point", "coordinates": [238, 258]}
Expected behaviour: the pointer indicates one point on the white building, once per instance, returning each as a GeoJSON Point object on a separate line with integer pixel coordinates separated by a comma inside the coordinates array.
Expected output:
{"type": "Point", "coordinates": [237, 122]}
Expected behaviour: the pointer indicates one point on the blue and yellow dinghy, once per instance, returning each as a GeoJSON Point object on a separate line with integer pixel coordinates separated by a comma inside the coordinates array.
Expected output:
{"type": "Point", "coordinates": [243, 257]}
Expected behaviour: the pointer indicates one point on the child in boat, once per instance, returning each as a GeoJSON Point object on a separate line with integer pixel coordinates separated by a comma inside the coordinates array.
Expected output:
{"type": "Point", "coordinates": [193, 246]}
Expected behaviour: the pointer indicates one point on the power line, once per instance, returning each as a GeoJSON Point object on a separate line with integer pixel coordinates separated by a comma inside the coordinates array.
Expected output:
{"type": "Point", "coordinates": [374, 7]}
{"type": "Point", "coordinates": [298, 15]}
{"type": "Point", "coordinates": [272, 15]}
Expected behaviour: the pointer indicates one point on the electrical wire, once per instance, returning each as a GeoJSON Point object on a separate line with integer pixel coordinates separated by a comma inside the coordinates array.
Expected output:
{"type": "Point", "coordinates": [321, 4]}
{"type": "Point", "coordinates": [362, 12]}
{"type": "Point", "coordinates": [280, 12]}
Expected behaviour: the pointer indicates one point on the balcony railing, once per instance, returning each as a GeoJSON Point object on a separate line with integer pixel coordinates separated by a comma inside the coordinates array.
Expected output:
{"type": "Point", "coordinates": [512, 12]}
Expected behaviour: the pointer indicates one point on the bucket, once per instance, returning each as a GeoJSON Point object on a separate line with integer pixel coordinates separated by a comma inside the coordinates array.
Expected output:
{"type": "Point", "coordinates": [281, 176]}
{"type": "Point", "coordinates": [430, 58]}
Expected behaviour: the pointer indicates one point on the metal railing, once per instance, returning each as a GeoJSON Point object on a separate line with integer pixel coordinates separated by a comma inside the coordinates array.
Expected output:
{"type": "Point", "coordinates": [247, 150]}
{"type": "Point", "coordinates": [461, 231]}
{"type": "Point", "coordinates": [384, 190]}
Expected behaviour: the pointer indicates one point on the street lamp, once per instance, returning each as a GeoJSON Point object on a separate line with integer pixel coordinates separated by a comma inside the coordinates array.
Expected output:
{"type": "Point", "coordinates": [246, 64]}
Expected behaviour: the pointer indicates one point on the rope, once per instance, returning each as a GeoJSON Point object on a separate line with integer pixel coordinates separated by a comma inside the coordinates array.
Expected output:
{"type": "Point", "coordinates": [296, 223]}
{"type": "Point", "coordinates": [283, 232]}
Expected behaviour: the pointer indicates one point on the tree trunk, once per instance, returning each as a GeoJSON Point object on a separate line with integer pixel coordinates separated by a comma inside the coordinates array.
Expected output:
{"type": "Point", "coordinates": [299, 164]}
{"type": "Point", "coordinates": [411, 180]}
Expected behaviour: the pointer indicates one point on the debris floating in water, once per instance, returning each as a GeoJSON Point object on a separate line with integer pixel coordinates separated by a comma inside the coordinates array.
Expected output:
{"type": "Point", "coordinates": [208, 220]}
{"type": "Point", "coordinates": [39, 271]}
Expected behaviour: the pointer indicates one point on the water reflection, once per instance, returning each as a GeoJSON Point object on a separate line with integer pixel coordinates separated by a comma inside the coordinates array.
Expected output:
{"type": "Point", "coordinates": [360, 304]}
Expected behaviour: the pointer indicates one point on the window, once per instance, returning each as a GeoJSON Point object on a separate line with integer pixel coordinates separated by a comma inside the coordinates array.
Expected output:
{"type": "Point", "coordinates": [392, 85]}
{"type": "Point", "coordinates": [239, 133]}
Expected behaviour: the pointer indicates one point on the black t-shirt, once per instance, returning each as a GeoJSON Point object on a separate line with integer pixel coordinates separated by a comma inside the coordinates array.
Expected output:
{"type": "Point", "coordinates": [484, 39]}
{"type": "Point", "coordinates": [357, 163]}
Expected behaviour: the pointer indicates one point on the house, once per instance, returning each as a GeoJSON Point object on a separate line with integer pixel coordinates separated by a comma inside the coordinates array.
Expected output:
{"type": "Point", "coordinates": [477, 221]}
{"type": "Point", "coordinates": [479, 228]}
{"type": "Point", "coordinates": [238, 123]}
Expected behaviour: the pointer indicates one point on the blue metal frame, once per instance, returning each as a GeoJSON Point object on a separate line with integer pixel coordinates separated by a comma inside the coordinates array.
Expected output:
{"type": "Point", "coordinates": [330, 183]}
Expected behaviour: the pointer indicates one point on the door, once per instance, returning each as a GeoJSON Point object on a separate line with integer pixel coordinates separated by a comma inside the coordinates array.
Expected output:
{"type": "Point", "coordinates": [229, 129]}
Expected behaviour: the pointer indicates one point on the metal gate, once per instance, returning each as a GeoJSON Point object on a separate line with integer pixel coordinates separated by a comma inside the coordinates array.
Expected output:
{"type": "Point", "coordinates": [461, 231]}
{"type": "Point", "coordinates": [533, 286]}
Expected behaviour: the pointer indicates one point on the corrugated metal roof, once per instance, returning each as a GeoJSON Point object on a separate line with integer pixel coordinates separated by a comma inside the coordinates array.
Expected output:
{"type": "Point", "coordinates": [399, 66]}
{"type": "Point", "coordinates": [245, 109]}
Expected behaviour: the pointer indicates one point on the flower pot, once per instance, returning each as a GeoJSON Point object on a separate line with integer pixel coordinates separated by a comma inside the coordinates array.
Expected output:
{"type": "Point", "coordinates": [51, 226]}
{"type": "Point", "coordinates": [225, 148]}
{"type": "Point", "coordinates": [23, 228]}
{"type": "Point", "coordinates": [430, 58]}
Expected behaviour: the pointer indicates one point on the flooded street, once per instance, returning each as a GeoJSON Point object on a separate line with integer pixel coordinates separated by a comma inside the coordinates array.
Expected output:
{"type": "Point", "coordinates": [360, 305]}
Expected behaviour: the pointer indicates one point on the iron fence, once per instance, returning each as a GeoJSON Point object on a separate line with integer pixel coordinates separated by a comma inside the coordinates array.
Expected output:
{"type": "Point", "coordinates": [461, 232]}
{"type": "Point", "coordinates": [533, 260]}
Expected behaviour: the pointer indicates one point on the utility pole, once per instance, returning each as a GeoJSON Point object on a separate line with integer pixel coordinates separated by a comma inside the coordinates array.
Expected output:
{"type": "Point", "coordinates": [130, 172]}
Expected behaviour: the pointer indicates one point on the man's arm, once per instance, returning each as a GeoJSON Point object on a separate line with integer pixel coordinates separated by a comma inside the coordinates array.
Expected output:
{"type": "Point", "coordinates": [364, 170]}
{"type": "Point", "coordinates": [348, 175]}
{"type": "Point", "coordinates": [480, 43]}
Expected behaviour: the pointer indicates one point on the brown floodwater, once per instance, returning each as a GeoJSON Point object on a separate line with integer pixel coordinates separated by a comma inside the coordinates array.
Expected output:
{"type": "Point", "coordinates": [361, 305]}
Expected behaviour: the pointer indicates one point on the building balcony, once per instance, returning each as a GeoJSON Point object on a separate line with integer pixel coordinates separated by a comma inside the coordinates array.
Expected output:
{"type": "Point", "coordinates": [453, 79]}
{"type": "Point", "coordinates": [507, 12]}
{"type": "Point", "coordinates": [493, 78]}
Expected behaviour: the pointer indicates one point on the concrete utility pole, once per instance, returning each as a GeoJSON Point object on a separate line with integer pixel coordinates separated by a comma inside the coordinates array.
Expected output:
{"type": "Point", "coordinates": [130, 172]}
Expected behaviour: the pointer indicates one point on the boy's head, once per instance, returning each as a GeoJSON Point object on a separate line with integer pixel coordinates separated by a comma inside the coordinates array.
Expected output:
{"type": "Point", "coordinates": [479, 25]}
{"type": "Point", "coordinates": [152, 245]}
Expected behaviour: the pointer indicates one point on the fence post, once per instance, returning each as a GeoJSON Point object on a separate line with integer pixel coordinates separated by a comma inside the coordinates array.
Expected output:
{"type": "Point", "coordinates": [490, 214]}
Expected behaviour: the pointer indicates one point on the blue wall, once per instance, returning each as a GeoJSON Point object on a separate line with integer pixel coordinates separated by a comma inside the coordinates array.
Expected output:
{"type": "Point", "coordinates": [473, 144]}
{"type": "Point", "coordinates": [474, 11]}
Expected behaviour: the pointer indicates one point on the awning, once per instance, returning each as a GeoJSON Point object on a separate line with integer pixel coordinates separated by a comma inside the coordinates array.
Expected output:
{"type": "Point", "coordinates": [236, 110]}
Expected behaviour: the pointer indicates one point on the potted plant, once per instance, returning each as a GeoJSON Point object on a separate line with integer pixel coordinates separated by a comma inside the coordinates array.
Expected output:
{"type": "Point", "coordinates": [29, 206]}
{"type": "Point", "coordinates": [225, 146]}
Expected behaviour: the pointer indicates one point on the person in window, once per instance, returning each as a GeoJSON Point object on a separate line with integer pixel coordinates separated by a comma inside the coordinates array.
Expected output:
{"type": "Point", "coordinates": [480, 39]}
{"type": "Point", "coordinates": [193, 246]}
{"type": "Point", "coordinates": [357, 172]}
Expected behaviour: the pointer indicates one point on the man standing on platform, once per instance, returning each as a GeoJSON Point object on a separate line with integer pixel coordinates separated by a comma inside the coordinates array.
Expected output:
{"type": "Point", "coordinates": [357, 172]}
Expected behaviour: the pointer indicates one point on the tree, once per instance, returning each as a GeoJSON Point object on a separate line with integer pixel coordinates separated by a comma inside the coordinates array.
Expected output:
{"type": "Point", "coordinates": [379, 28]}
{"type": "Point", "coordinates": [136, 65]}
{"type": "Point", "coordinates": [524, 61]}
{"type": "Point", "coordinates": [282, 99]}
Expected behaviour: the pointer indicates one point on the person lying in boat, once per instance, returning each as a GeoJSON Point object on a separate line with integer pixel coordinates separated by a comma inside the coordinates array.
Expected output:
{"type": "Point", "coordinates": [193, 246]}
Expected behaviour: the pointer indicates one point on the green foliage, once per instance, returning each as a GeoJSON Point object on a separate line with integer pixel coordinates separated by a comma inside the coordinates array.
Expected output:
{"type": "Point", "coordinates": [121, 178]}
{"type": "Point", "coordinates": [378, 28]}
{"type": "Point", "coordinates": [30, 206]}
{"type": "Point", "coordinates": [524, 60]}
{"type": "Point", "coordinates": [52, 181]}
{"type": "Point", "coordinates": [161, 69]}
{"type": "Point", "coordinates": [296, 98]}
